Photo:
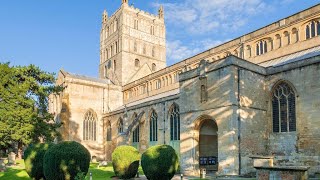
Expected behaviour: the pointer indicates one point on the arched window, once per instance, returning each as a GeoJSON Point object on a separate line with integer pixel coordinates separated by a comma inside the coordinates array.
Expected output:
{"type": "Point", "coordinates": [137, 63]}
{"type": "Point", "coordinates": [295, 35]}
{"type": "Point", "coordinates": [107, 32]}
{"type": "Point", "coordinates": [313, 29]}
{"type": "Point", "coordinates": [120, 126]}
{"type": "Point", "coordinates": [203, 93]}
{"type": "Point", "coordinates": [261, 47]}
{"type": "Point", "coordinates": [135, 47]}
{"type": "Point", "coordinates": [307, 32]}
{"type": "Point", "coordinates": [136, 131]}
{"type": "Point", "coordinates": [105, 71]}
{"type": "Point", "coordinates": [136, 25]}
{"type": "Point", "coordinates": [283, 108]}
{"type": "Point", "coordinates": [153, 53]}
{"type": "Point", "coordinates": [153, 126]}
{"type": "Point", "coordinates": [278, 41]}
{"type": "Point", "coordinates": [158, 84]}
{"type": "Point", "coordinates": [116, 47]}
{"type": "Point", "coordinates": [154, 67]}
{"type": "Point", "coordinates": [248, 52]}
{"type": "Point", "coordinates": [116, 25]}
{"type": "Point", "coordinates": [318, 28]}
{"type": "Point", "coordinates": [286, 39]}
{"type": "Point", "coordinates": [114, 65]}
{"type": "Point", "coordinates": [108, 131]}
{"type": "Point", "coordinates": [136, 134]}
{"type": "Point", "coordinates": [90, 126]}
{"type": "Point", "coordinates": [174, 123]}
{"type": "Point", "coordinates": [144, 49]}
{"type": "Point", "coordinates": [265, 47]}
{"type": "Point", "coordinates": [152, 30]}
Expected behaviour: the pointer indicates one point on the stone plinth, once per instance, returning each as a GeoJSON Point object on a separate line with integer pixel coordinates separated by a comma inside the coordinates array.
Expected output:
{"type": "Point", "coordinates": [282, 173]}
{"type": "Point", "coordinates": [262, 161]}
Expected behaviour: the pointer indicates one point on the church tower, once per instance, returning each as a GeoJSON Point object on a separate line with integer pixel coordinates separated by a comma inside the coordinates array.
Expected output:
{"type": "Point", "coordinates": [132, 44]}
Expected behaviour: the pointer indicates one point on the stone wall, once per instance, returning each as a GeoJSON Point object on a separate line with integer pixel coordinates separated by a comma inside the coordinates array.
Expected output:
{"type": "Point", "coordinates": [303, 146]}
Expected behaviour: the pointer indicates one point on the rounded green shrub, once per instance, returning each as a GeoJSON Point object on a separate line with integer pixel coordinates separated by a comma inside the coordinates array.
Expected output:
{"type": "Point", "coordinates": [125, 161]}
{"type": "Point", "coordinates": [160, 162]}
{"type": "Point", "coordinates": [33, 159]}
{"type": "Point", "coordinates": [65, 160]}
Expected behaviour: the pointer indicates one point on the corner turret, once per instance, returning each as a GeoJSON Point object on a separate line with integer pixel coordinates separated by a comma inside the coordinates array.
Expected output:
{"type": "Point", "coordinates": [104, 17]}
{"type": "Point", "coordinates": [161, 12]}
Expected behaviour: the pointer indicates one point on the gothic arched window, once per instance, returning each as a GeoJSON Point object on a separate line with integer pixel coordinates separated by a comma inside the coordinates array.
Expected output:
{"type": "Point", "coordinates": [109, 131]}
{"type": "Point", "coordinates": [136, 134]}
{"type": "Point", "coordinates": [90, 126]}
{"type": "Point", "coordinates": [153, 126]}
{"type": "Point", "coordinates": [283, 108]}
{"type": "Point", "coordinates": [120, 126]}
{"type": "Point", "coordinates": [174, 123]}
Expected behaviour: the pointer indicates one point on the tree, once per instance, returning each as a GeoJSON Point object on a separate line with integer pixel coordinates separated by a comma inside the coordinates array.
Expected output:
{"type": "Point", "coordinates": [24, 116]}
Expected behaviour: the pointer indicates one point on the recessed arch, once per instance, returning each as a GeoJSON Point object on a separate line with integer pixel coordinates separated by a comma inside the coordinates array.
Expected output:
{"type": "Point", "coordinates": [206, 142]}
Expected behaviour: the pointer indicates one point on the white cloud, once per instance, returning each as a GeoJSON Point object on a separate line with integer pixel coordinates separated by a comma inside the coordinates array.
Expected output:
{"type": "Point", "coordinates": [198, 25]}
{"type": "Point", "coordinates": [178, 51]}
{"type": "Point", "coordinates": [201, 17]}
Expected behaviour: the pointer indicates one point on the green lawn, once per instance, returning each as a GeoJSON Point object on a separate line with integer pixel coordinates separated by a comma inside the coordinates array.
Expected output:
{"type": "Point", "coordinates": [18, 172]}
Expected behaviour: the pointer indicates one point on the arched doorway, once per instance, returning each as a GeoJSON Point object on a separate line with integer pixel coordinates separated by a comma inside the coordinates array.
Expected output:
{"type": "Point", "coordinates": [208, 145]}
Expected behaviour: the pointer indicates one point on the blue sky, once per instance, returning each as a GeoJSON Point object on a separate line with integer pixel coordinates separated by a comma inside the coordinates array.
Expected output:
{"type": "Point", "coordinates": [54, 34]}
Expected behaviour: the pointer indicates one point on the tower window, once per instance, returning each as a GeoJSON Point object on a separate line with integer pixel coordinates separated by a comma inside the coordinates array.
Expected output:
{"type": "Point", "coordinates": [144, 49]}
{"type": "Point", "coordinates": [135, 46]}
{"type": "Point", "coordinates": [153, 53]}
{"type": "Point", "coordinates": [137, 63]}
{"type": "Point", "coordinates": [154, 67]}
{"type": "Point", "coordinates": [152, 30]}
{"type": "Point", "coordinates": [136, 25]}
{"type": "Point", "coordinates": [116, 47]}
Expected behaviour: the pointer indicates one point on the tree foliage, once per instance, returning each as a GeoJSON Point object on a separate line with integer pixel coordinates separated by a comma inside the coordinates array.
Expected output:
{"type": "Point", "coordinates": [24, 116]}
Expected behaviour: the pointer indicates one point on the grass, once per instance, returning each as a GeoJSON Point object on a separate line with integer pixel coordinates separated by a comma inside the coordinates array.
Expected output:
{"type": "Point", "coordinates": [18, 172]}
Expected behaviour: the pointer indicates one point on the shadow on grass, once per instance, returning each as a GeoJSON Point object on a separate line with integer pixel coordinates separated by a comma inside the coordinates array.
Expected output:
{"type": "Point", "coordinates": [15, 172]}
{"type": "Point", "coordinates": [105, 172]}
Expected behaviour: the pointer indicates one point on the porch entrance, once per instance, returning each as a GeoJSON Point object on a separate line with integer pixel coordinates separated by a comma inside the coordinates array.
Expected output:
{"type": "Point", "coordinates": [208, 145]}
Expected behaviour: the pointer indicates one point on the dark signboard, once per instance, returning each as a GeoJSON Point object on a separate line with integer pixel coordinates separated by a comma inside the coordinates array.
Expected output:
{"type": "Point", "coordinates": [210, 160]}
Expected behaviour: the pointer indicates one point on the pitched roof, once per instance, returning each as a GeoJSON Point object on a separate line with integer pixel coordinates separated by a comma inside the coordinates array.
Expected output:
{"type": "Point", "coordinates": [298, 56]}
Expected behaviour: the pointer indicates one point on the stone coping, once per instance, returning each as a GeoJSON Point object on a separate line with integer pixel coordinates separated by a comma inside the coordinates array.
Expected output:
{"type": "Point", "coordinates": [281, 168]}
{"type": "Point", "coordinates": [261, 157]}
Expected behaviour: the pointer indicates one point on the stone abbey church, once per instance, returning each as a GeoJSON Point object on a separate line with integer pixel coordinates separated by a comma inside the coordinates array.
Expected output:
{"type": "Point", "coordinates": [256, 95]}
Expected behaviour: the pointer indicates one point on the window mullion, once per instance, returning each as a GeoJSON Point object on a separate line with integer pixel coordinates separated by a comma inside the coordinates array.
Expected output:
{"type": "Point", "coordinates": [279, 109]}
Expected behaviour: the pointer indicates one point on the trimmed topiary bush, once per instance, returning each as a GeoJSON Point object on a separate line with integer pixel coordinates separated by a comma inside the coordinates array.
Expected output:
{"type": "Point", "coordinates": [65, 160]}
{"type": "Point", "coordinates": [125, 161]}
{"type": "Point", "coordinates": [160, 162]}
{"type": "Point", "coordinates": [33, 159]}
